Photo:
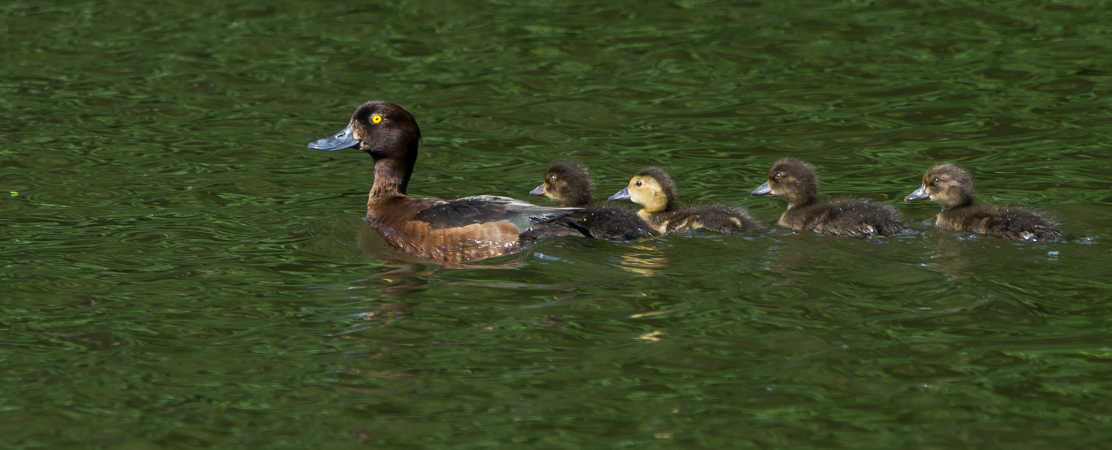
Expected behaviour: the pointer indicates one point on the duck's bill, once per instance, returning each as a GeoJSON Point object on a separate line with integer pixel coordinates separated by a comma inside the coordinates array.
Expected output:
{"type": "Point", "coordinates": [338, 141]}
{"type": "Point", "coordinates": [620, 195]}
{"type": "Point", "coordinates": [918, 194]}
{"type": "Point", "coordinates": [763, 189]}
{"type": "Point", "coordinates": [539, 190]}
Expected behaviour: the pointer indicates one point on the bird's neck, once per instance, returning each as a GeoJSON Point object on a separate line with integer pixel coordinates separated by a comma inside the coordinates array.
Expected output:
{"type": "Point", "coordinates": [391, 179]}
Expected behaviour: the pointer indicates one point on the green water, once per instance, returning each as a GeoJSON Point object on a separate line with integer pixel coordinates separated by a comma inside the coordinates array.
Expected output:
{"type": "Point", "coordinates": [180, 272]}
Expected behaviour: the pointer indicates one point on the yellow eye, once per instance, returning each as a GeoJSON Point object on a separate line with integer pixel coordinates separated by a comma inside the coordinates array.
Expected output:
{"type": "Point", "coordinates": [376, 119]}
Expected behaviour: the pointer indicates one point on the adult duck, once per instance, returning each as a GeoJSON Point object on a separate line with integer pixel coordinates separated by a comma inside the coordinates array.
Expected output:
{"type": "Point", "coordinates": [445, 231]}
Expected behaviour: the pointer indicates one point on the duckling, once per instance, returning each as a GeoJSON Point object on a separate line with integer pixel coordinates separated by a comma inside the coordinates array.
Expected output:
{"type": "Point", "coordinates": [568, 184]}
{"type": "Point", "coordinates": [654, 190]}
{"type": "Point", "coordinates": [795, 181]}
{"type": "Point", "coordinates": [952, 187]}
{"type": "Point", "coordinates": [445, 231]}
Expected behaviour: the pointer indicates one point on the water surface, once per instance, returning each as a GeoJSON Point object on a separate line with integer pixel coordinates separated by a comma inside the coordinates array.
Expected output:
{"type": "Point", "coordinates": [180, 272]}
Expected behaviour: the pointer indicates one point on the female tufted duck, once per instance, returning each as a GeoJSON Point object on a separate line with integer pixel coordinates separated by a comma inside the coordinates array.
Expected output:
{"type": "Point", "coordinates": [445, 231]}
{"type": "Point", "coordinates": [952, 187]}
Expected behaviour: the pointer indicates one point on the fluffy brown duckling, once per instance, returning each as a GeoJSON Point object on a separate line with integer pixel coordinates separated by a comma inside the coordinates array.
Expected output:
{"type": "Point", "coordinates": [795, 181]}
{"type": "Point", "coordinates": [569, 185]}
{"type": "Point", "coordinates": [952, 187]}
{"type": "Point", "coordinates": [655, 191]}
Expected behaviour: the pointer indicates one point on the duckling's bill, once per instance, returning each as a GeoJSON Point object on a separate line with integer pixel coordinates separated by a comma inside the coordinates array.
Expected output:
{"type": "Point", "coordinates": [763, 189]}
{"type": "Point", "coordinates": [918, 194]}
{"type": "Point", "coordinates": [539, 190]}
{"type": "Point", "coordinates": [620, 195]}
{"type": "Point", "coordinates": [337, 141]}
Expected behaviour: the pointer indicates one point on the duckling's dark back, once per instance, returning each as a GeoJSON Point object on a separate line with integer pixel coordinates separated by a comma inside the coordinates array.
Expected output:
{"type": "Point", "coordinates": [612, 224]}
{"type": "Point", "coordinates": [714, 218]}
{"type": "Point", "coordinates": [1008, 222]}
{"type": "Point", "coordinates": [856, 218]}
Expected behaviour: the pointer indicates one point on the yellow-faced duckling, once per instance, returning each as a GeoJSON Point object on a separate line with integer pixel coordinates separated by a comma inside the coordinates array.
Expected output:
{"type": "Point", "coordinates": [952, 187]}
{"type": "Point", "coordinates": [446, 231]}
{"type": "Point", "coordinates": [795, 181]}
{"type": "Point", "coordinates": [568, 184]}
{"type": "Point", "coordinates": [655, 191]}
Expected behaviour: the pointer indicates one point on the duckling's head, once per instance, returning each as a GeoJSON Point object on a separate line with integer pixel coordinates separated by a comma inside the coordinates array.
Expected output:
{"type": "Point", "coordinates": [945, 184]}
{"type": "Point", "coordinates": [792, 180]}
{"type": "Point", "coordinates": [566, 183]}
{"type": "Point", "coordinates": [382, 129]}
{"type": "Point", "coordinates": [651, 188]}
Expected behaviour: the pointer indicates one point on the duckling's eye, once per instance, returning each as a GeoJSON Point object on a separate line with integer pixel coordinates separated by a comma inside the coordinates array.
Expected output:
{"type": "Point", "coordinates": [778, 175]}
{"type": "Point", "coordinates": [637, 183]}
{"type": "Point", "coordinates": [936, 180]}
{"type": "Point", "coordinates": [376, 118]}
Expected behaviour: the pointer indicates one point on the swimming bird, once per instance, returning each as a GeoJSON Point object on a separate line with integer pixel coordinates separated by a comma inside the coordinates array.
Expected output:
{"type": "Point", "coordinates": [568, 184]}
{"type": "Point", "coordinates": [655, 191]}
{"type": "Point", "coordinates": [795, 181]}
{"type": "Point", "coordinates": [951, 187]}
{"type": "Point", "coordinates": [445, 231]}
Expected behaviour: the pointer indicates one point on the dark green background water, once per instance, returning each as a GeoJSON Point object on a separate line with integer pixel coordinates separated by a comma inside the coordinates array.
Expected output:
{"type": "Point", "coordinates": [179, 271]}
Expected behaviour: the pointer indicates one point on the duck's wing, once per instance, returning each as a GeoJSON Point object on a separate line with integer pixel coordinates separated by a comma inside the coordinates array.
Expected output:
{"type": "Point", "coordinates": [488, 208]}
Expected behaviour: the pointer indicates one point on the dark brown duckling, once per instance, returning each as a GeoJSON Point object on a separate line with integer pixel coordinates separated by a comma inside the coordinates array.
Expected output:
{"type": "Point", "coordinates": [655, 191]}
{"type": "Point", "coordinates": [952, 187]}
{"type": "Point", "coordinates": [569, 185]}
{"type": "Point", "coordinates": [795, 181]}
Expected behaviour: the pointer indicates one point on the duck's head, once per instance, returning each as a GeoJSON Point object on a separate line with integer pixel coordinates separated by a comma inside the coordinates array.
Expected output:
{"type": "Point", "coordinates": [566, 183]}
{"type": "Point", "coordinates": [382, 129]}
{"type": "Point", "coordinates": [945, 184]}
{"type": "Point", "coordinates": [792, 180]}
{"type": "Point", "coordinates": [651, 188]}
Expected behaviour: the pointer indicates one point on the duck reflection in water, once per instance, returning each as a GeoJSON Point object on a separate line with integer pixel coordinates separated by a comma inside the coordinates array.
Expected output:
{"type": "Point", "coordinates": [643, 258]}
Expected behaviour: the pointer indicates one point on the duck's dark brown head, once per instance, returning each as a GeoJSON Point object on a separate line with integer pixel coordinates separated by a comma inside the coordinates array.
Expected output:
{"type": "Point", "coordinates": [384, 130]}
{"type": "Point", "coordinates": [792, 180]}
{"type": "Point", "coordinates": [651, 188]}
{"type": "Point", "coordinates": [945, 184]}
{"type": "Point", "coordinates": [567, 184]}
